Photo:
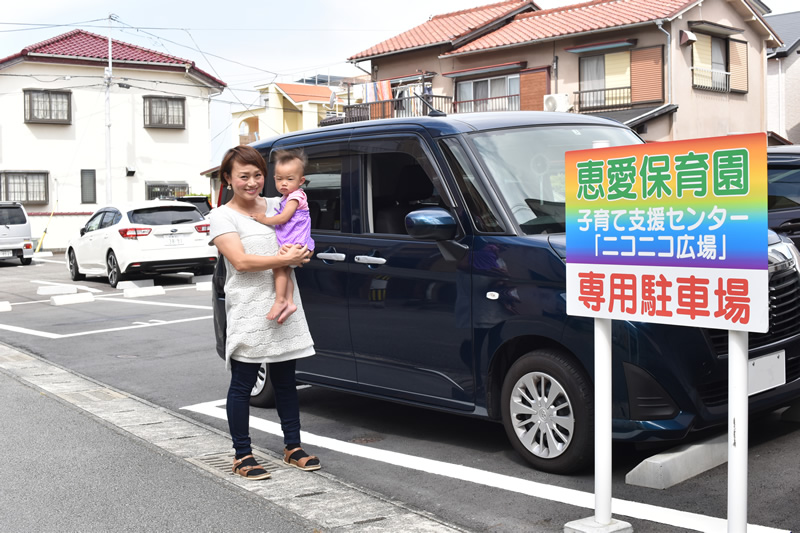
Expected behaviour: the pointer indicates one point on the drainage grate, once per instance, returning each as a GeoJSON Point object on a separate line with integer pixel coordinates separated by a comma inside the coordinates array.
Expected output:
{"type": "Point", "coordinates": [221, 463]}
{"type": "Point", "coordinates": [94, 395]}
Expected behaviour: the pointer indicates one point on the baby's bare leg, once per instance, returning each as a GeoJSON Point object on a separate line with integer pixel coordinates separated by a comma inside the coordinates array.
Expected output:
{"type": "Point", "coordinates": [290, 306]}
{"type": "Point", "coordinates": [282, 278]}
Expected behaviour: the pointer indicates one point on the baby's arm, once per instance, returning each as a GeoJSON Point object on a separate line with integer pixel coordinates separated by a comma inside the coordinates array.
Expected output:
{"type": "Point", "coordinates": [282, 218]}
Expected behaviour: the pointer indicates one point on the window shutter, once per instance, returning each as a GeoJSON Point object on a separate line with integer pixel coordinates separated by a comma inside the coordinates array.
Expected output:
{"type": "Point", "coordinates": [701, 60]}
{"type": "Point", "coordinates": [647, 74]}
{"type": "Point", "coordinates": [533, 85]}
{"type": "Point", "coordinates": [618, 70]}
{"type": "Point", "coordinates": [88, 187]}
{"type": "Point", "coordinates": [737, 53]}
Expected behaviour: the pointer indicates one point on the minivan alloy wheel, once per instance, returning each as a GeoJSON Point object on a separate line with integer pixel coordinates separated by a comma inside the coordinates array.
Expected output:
{"type": "Point", "coordinates": [263, 395]}
{"type": "Point", "coordinates": [547, 411]}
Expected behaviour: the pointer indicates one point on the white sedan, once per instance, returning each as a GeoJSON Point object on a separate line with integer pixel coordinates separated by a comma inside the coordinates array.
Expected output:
{"type": "Point", "coordinates": [149, 237]}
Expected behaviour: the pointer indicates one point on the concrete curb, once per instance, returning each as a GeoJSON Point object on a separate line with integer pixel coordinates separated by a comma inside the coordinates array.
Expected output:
{"type": "Point", "coordinates": [68, 299]}
{"type": "Point", "coordinates": [666, 469]}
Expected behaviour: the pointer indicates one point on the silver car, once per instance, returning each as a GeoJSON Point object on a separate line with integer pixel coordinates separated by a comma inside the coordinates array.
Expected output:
{"type": "Point", "coordinates": [15, 233]}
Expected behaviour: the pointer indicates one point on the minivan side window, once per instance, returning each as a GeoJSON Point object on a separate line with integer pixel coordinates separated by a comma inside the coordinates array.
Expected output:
{"type": "Point", "coordinates": [323, 185]}
{"type": "Point", "coordinates": [482, 215]}
{"type": "Point", "coordinates": [398, 178]}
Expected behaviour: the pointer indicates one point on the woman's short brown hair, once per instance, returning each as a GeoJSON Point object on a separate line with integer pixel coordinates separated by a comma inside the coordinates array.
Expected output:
{"type": "Point", "coordinates": [244, 155]}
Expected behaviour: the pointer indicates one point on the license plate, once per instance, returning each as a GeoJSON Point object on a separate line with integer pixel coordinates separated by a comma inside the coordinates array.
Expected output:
{"type": "Point", "coordinates": [174, 240]}
{"type": "Point", "coordinates": [766, 372]}
{"type": "Point", "coordinates": [6, 253]}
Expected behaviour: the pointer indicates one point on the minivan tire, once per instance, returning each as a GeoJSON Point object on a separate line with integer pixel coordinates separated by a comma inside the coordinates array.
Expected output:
{"type": "Point", "coordinates": [74, 273]}
{"type": "Point", "coordinates": [263, 395]}
{"type": "Point", "coordinates": [112, 266]}
{"type": "Point", "coordinates": [548, 411]}
{"type": "Point", "coordinates": [25, 260]}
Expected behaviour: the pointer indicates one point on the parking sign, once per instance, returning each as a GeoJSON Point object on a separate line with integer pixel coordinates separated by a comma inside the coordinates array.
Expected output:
{"type": "Point", "coordinates": [673, 232]}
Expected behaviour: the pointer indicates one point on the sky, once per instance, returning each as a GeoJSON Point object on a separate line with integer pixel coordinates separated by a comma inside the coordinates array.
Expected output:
{"type": "Point", "coordinates": [250, 44]}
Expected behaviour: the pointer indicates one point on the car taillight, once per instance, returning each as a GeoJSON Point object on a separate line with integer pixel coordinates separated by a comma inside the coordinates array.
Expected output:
{"type": "Point", "coordinates": [28, 245]}
{"type": "Point", "coordinates": [202, 228]}
{"type": "Point", "coordinates": [134, 233]}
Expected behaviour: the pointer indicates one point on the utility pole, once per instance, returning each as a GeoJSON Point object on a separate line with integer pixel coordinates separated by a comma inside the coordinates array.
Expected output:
{"type": "Point", "coordinates": [107, 79]}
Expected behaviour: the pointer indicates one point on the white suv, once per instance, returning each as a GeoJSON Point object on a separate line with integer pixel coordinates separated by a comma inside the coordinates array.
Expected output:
{"type": "Point", "coordinates": [15, 233]}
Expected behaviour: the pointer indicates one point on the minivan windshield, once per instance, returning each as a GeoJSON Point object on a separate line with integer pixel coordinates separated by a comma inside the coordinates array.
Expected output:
{"type": "Point", "coordinates": [527, 166]}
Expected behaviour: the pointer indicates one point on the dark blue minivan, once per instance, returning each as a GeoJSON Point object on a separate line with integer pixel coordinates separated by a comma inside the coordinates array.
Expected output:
{"type": "Point", "coordinates": [438, 281]}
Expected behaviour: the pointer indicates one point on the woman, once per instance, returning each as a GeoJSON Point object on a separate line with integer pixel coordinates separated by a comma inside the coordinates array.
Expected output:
{"type": "Point", "coordinates": [251, 251]}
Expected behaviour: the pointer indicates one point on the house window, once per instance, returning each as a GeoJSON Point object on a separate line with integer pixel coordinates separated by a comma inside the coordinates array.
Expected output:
{"type": "Point", "coordinates": [48, 107]}
{"type": "Point", "coordinates": [164, 112]}
{"type": "Point", "coordinates": [166, 189]}
{"type": "Point", "coordinates": [488, 94]}
{"type": "Point", "coordinates": [605, 81]}
{"type": "Point", "coordinates": [88, 186]}
{"type": "Point", "coordinates": [719, 64]}
{"type": "Point", "coordinates": [25, 187]}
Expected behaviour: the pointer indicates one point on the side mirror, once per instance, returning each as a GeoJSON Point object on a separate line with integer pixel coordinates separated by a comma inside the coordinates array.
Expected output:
{"type": "Point", "coordinates": [83, 231]}
{"type": "Point", "coordinates": [433, 223]}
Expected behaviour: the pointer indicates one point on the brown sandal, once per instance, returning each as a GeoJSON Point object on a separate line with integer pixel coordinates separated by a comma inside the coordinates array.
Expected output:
{"type": "Point", "coordinates": [251, 469]}
{"type": "Point", "coordinates": [297, 458]}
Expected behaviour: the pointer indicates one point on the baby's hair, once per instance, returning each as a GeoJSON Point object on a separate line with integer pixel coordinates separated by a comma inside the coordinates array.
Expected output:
{"type": "Point", "coordinates": [284, 156]}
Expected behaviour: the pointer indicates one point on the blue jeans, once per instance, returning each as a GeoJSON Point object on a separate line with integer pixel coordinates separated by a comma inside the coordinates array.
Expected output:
{"type": "Point", "coordinates": [243, 379]}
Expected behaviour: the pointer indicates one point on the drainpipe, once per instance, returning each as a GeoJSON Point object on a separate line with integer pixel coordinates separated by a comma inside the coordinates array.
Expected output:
{"type": "Point", "coordinates": [669, 60]}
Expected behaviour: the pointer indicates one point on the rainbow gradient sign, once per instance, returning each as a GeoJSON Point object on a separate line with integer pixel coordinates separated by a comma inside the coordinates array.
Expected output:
{"type": "Point", "coordinates": [672, 232]}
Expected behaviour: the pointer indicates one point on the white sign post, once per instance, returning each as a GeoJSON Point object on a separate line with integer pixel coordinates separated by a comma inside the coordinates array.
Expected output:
{"type": "Point", "coordinates": [672, 233]}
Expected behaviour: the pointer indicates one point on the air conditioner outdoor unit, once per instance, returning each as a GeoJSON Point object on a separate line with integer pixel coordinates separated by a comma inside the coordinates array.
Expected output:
{"type": "Point", "coordinates": [557, 102]}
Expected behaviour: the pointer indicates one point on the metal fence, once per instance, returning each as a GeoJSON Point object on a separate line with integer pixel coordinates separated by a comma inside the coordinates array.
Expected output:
{"type": "Point", "coordinates": [603, 99]}
{"type": "Point", "coordinates": [412, 106]}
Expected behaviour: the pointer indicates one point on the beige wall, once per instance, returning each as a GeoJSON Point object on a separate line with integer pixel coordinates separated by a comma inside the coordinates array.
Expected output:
{"type": "Point", "coordinates": [63, 150]}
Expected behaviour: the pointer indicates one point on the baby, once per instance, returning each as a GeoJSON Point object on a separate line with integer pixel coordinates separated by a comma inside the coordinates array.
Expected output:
{"type": "Point", "coordinates": [292, 224]}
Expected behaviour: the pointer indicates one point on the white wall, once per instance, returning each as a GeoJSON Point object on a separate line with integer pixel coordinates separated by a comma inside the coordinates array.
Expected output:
{"type": "Point", "coordinates": [63, 150]}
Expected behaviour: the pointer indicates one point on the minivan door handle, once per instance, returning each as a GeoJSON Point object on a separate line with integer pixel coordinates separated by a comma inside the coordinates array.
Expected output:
{"type": "Point", "coordinates": [331, 256]}
{"type": "Point", "coordinates": [369, 260]}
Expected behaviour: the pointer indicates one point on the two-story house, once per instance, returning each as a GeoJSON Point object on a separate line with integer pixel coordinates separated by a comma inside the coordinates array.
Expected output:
{"type": "Point", "coordinates": [284, 107]}
{"type": "Point", "coordinates": [783, 77]}
{"type": "Point", "coordinates": [656, 65]}
{"type": "Point", "coordinates": [54, 126]}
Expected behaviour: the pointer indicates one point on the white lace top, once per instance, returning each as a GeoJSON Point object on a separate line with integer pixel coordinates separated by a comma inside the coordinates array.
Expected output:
{"type": "Point", "coordinates": [249, 296]}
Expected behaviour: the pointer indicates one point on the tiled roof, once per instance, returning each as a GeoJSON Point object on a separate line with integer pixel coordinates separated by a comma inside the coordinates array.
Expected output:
{"type": "Point", "coordinates": [788, 28]}
{"type": "Point", "coordinates": [84, 45]}
{"type": "Point", "coordinates": [304, 93]}
{"type": "Point", "coordinates": [445, 28]}
{"type": "Point", "coordinates": [576, 18]}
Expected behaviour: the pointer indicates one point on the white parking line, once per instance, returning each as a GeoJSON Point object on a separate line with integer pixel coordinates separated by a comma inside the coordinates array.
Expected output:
{"type": "Point", "coordinates": [49, 335]}
{"type": "Point", "coordinates": [39, 260]}
{"type": "Point", "coordinates": [642, 511]}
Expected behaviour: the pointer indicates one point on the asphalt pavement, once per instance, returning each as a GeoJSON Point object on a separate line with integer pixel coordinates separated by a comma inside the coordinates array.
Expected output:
{"type": "Point", "coordinates": [78, 455]}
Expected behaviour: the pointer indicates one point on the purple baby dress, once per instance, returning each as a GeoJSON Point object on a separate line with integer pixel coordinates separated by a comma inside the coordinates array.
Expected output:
{"type": "Point", "coordinates": [297, 230]}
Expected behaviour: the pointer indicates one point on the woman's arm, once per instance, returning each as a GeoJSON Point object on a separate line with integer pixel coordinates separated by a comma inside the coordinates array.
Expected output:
{"type": "Point", "coordinates": [231, 247]}
{"type": "Point", "coordinates": [281, 218]}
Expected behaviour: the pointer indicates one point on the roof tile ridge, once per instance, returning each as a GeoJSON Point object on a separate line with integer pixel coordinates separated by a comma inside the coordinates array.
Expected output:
{"type": "Point", "coordinates": [114, 42]}
{"type": "Point", "coordinates": [477, 8]}
{"type": "Point", "coordinates": [570, 7]}
{"type": "Point", "coordinates": [32, 47]}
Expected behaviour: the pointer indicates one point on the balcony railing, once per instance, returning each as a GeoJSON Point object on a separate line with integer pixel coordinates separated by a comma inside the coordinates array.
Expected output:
{"type": "Point", "coordinates": [496, 103]}
{"type": "Point", "coordinates": [711, 80]}
{"type": "Point", "coordinates": [603, 99]}
{"type": "Point", "coordinates": [411, 106]}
